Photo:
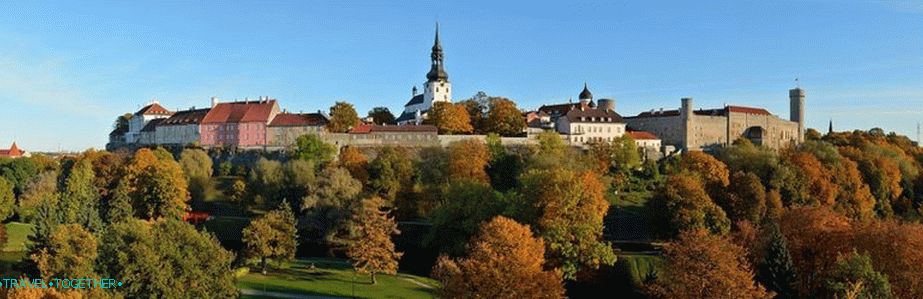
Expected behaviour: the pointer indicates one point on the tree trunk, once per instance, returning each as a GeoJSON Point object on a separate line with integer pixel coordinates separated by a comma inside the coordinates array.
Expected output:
{"type": "Point", "coordinates": [263, 264]}
{"type": "Point", "coordinates": [374, 281]}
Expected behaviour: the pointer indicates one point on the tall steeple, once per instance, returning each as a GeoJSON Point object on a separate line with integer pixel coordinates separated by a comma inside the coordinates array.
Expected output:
{"type": "Point", "coordinates": [830, 127]}
{"type": "Point", "coordinates": [437, 71]}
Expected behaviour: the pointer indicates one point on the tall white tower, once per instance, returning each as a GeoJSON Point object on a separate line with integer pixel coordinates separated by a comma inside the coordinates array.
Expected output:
{"type": "Point", "coordinates": [437, 87]}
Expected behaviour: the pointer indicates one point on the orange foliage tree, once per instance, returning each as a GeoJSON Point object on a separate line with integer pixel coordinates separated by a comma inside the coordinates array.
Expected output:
{"type": "Point", "coordinates": [151, 188]}
{"type": "Point", "coordinates": [503, 118]}
{"type": "Point", "coordinates": [897, 251]}
{"type": "Point", "coordinates": [504, 261]}
{"type": "Point", "coordinates": [702, 265]}
{"type": "Point", "coordinates": [371, 249]}
{"type": "Point", "coordinates": [450, 118]}
{"type": "Point", "coordinates": [815, 236]}
{"type": "Point", "coordinates": [681, 204]}
{"type": "Point", "coordinates": [468, 160]}
{"type": "Point", "coordinates": [355, 162]}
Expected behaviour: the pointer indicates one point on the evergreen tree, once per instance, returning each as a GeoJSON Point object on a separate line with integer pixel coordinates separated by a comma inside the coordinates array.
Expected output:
{"type": "Point", "coordinates": [776, 271]}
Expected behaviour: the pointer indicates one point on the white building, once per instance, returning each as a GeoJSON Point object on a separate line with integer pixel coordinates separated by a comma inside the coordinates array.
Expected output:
{"type": "Point", "coordinates": [586, 122]}
{"type": "Point", "coordinates": [140, 119]}
{"type": "Point", "coordinates": [436, 89]}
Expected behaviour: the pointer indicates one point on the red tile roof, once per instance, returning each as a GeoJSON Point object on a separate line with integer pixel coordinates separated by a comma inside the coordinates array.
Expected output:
{"type": "Point", "coordinates": [749, 110]}
{"type": "Point", "coordinates": [298, 119]}
{"type": "Point", "coordinates": [153, 109]}
{"type": "Point", "coordinates": [642, 135]}
{"type": "Point", "coordinates": [13, 152]}
{"type": "Point", "coordinates": [186, 117]}
{"type": "Point", "coordinates": [365, 129]}
{"type": "Point", "coordinates": [715, 111]}
{"type": "Point", "coordinates": [240, 112]}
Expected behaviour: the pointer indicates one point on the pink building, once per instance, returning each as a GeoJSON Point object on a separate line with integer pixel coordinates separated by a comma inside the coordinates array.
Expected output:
{"type": "Point", "coordinates": [240, 124]}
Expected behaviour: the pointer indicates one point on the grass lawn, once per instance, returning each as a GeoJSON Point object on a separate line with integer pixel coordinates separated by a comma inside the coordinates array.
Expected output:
{"type": "Point", "coordinates": [639, 267]}
{"type": "Point", "coordinates": [334, 277]}
{"type": "Point", "coordinates": [17, 236]}
{"type": "Point", "coordinates": [630, 201]}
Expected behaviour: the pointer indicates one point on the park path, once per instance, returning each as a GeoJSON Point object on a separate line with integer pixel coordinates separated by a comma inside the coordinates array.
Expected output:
{"type": "Point", "coordinates": [250, 292]}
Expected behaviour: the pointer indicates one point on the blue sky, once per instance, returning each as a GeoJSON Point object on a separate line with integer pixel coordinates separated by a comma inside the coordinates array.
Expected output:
{"type": "Point", "coordinates": [68, 69]}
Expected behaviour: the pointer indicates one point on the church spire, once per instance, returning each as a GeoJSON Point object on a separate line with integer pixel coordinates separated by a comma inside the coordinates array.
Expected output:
{"type": "Point", "coordinates": [437, 71]}
{"type": "Point", "coordinates": [830, 127]}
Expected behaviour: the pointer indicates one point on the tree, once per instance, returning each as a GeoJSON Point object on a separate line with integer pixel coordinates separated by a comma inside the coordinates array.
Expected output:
{"type": "Point", "coordinates": [371, 249]}
{"type": "Point", "coordinates": [450, 118]}
{"type": "Point", "coordinates": [815, 180]}
{"type": "Point", "coordinates": [745, 198]}
{"type": "Point", "coordinates": [776, 270]}
{"type": "Point", "coordinates": [19, 172]}
{"type": "Point", "coordinates": [854, 277]}
{"type": "Point", "coordinates": [343, 118]}
{"type": "Point", "coordinates": [272, 236]}
{"type": "Point", "coordinates": [681, 203]}
{"type": "Point", "coordinates": [894, 248]}
{"type": "Point", "coordinates": [310, 147]}
{"type": "Point", "coordinates": [7, 199]}
{"type": "Point", "coordinates": [3, 236]}
{"type": "Point", "coordinates": [355, 162]}
{"type": "Point", "coordinates": [71, 252]}
{"type": "Point", "coordinates": [476, 106]}
{"type": "Point", "coordinates": [504, 167]}
{"type": "Point", "coordinates": [567, 209]}
{"type": "Point", "coordinates": [166, 259]}
{"type": "Point", "coordinates": [464, 207]}
{"type": "Point", "coordinates": [714, 173]}
{"type": "Point", "coordinates": [468, 160]}
{"type": "Point", "coordinates": [153, 188]}
{"type": "Point", "coordinates": [703, 265]}
{"type": "Point", "coordinates": [80, 198]}
{"type": "Point", "coordinates": [390, 172]}
{"type": "Point", "coordinates": [195, 163]}
{"type": "Point", "coordinates": [266, 179]}
{"type": "Point", "coordinates": [237, 191]}
{"type": "Point", "coordinates": [504, 261]}
{"type": "Point", "coordinates": [121, 123]}
{"type": "Point", "coordinates": [328, 207]}
{"type": "Point", "coordinates": [504, 118]}
{"type": "Point", "coordinates": [381, 116]}
{"type": "Point", "coordinates": [41, 189]}
{"type": "Point", "coordinates": [815, 236]}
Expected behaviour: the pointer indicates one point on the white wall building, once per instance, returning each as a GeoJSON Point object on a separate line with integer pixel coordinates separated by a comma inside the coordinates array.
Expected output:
{"type": "Point", "coordinates": [436, 89]}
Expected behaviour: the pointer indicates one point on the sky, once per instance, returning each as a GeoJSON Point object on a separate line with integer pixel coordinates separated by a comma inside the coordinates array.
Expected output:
{"type": "Point", "coordinates": [68, 69]}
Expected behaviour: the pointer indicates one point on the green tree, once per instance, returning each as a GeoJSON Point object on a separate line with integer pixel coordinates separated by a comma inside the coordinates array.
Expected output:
{"type": "Point", "coordinates": [328, 208]}
{"type": "Point", "coordinates": [195, 163]}
{"type": "Point", "coordinates": [343, 118]}
{"type": "Point", "coordinates": [151, 188]}
{"type": "Point", "coordinates": [300, 177]}
{"type": "Point", "coordinates": [80, 199]}
{"type": "Point", "coordinates": [266, 179]}
{"type": "Point", "coordinates": [504, 167]}
{"type": "Point", "coordinates": [776, 270]}
{"type": "Point", "coordinates": [272, 236]}
{"type": "Point", "coordinates": [19, 172]}
{"type": "Point", "coordinates": [854, 277]}
{"type": "Point", "coordinates": [166, 259]}
{"type": "Point", "coordinates": [71, 252]}
{"type": "Point", "coordinates": [371, 250]}
{"type": "Point", "coordinates": [504, 118]}
{"type": "Point", "coordinates": [390, 172]}
{"type": "Point", "coordinates": [310, 147]}
{"type": "Point", "coordinates": [465, 205]}
{"type": "Point", "coordinates": [625, 153]}
{"type": "Point", "coordinates": [476, 106]}
{"type": "Point", "coordinates": [381, 116]}
{"type": "Point", "coordinates": [7, 199]}
{"type": "Point", "coordinates": [40, 190]}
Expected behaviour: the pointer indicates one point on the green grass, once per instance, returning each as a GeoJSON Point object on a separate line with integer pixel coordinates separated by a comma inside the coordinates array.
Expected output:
{"type": "Point", "coordinates": [333, 277]}
{"type": "Point", "coordinates": [17, 236]}
{"type": "Point", "coordinates": [639, 267]}
{"type": "Point", "coordinates": [630, 201]}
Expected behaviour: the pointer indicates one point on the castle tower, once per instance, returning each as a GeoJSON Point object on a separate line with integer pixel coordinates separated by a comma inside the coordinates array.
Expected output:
{"type": "Point", "coordinates": [686, 116]}
{"type": "Point", "coordinates": [796, 99]}
{"type": "Point", "coordinates": [437, 87]}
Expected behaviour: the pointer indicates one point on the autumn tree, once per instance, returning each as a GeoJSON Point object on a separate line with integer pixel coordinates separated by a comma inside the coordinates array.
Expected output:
{"type": "Point", "coordinates": [745, 198]}
{"type": "Point", "coordinates": [450, 118]}
{"type": "Point", "coordinates": [237, 191]}
{"type": "Point", "coordinates": [355, 162]}
{"type": "Point", "coordinates": [818, 189]}
{"type": "Point", "coordinates": [476, 106]}
{"type": "Point", "coordinates": [681, 203]}
{"type": "Point", "coordinates": [815, 236]}
{"type": "Point", "coordinates": [272, 236]}
{"type": "Point", "coordinates": [197, 166]}
{"type": "Point", "coordinates": [703, 265]}
{"type": "Point", "coordinates": [714, 173]}
{"type": "Point", "coordinates": [381, 116]}
{"type": "Point", "coordinates": [79, 199]}
{"type": "Point", "coordinates": [166, 259]}
{"type": "Point", "coordinates": [266, 180]}
{"type": "Point", "coordinates": [343, 118]}
{"type": "Point", "coordinates": [328, 208]}
{"type": "Point", "coordinates": [776, 269]}
{"type": "Point", "coordinates": [310, 147]}
{"type": "Point", "coordinates": [504, 261]}
{"type": "Point", "coordinates": [151, 188]}
{"type": "Point", "coordinates": [7, 199]}
{"type": "Point", "coordinates": [503, 118]}
{"type": "Point", "coordinates": [894, 248]}
{"type": "Point", "coordinates": [43, 189]}
{"type": "Point", "coordinates": [566, 209]}
{"type": "Point", "coordinates": [468, 160]}
{"type": "Point", "coordinates": [371, 249]}
{"type": "Point", "coordinates": [71, 252]}
{"type": "Point", "coordinates": [464, 207]}
{"type": "Point", "coordinates": [854, 277]}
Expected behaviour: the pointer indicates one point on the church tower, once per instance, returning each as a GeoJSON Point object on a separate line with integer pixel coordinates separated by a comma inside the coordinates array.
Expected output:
{"type": "Point", "coordinates": [437, 87]}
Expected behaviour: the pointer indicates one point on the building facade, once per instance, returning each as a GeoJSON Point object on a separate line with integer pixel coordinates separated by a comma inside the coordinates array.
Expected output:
{"type": "Point", "coordinates": [285, 128]}
{"type": "Point", "coordinates": [140, 119]}
{"type": "Point", "coordinates": [182, 128]}
{"type": "Point", "coordinates": [702, 129]}
{"type": "Point", "coordinates": [238, 124]}
{"type": "Point", "coordinates": [586, 121]}
{"type": "Point", "coordinates": [13, 152]}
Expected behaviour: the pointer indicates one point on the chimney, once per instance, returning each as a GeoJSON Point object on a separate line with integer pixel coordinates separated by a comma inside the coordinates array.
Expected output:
{"type": "Point", "coordinates": [214, 102]}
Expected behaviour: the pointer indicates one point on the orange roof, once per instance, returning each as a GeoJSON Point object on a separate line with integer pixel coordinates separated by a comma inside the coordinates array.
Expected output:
{"type": "Point", "coordinates": [240, 112]}
{"type": "Point", "coordinates": [14, 151]}
{"type": "Point", "coordinates": [642, 135]}
{"type": "Point", "coordinates": [153, 109]}
{"type": "Point", "coordinates": [749, 110]}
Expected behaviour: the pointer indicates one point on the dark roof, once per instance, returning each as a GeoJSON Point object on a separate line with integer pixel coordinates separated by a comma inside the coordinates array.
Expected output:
{"type": "Point", "coordinates": [186, 117]}
{"type": "Point", "coordinates": [152, 125]}
{"type": "Point", "coordinates": [298, 119]}
{"type": "Point", "coordinates": [408, 115]}
{"type": "Point", "coordinates": [558, 109]}
{"type": "Point", "coordinates": [586, 115]}
{"type": "Point", "coordinates": [417, 99]}
{"type": "Point", "coordinates": [118, 131]}
{"type": "Point", "coordinates": [239, 112]}
{"type": "Point", "coordinates": [586, 94]}
{"type": "Point", "coordinates": [749, 110]}
{"type": "Point", "coordinates": [153, 109]}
